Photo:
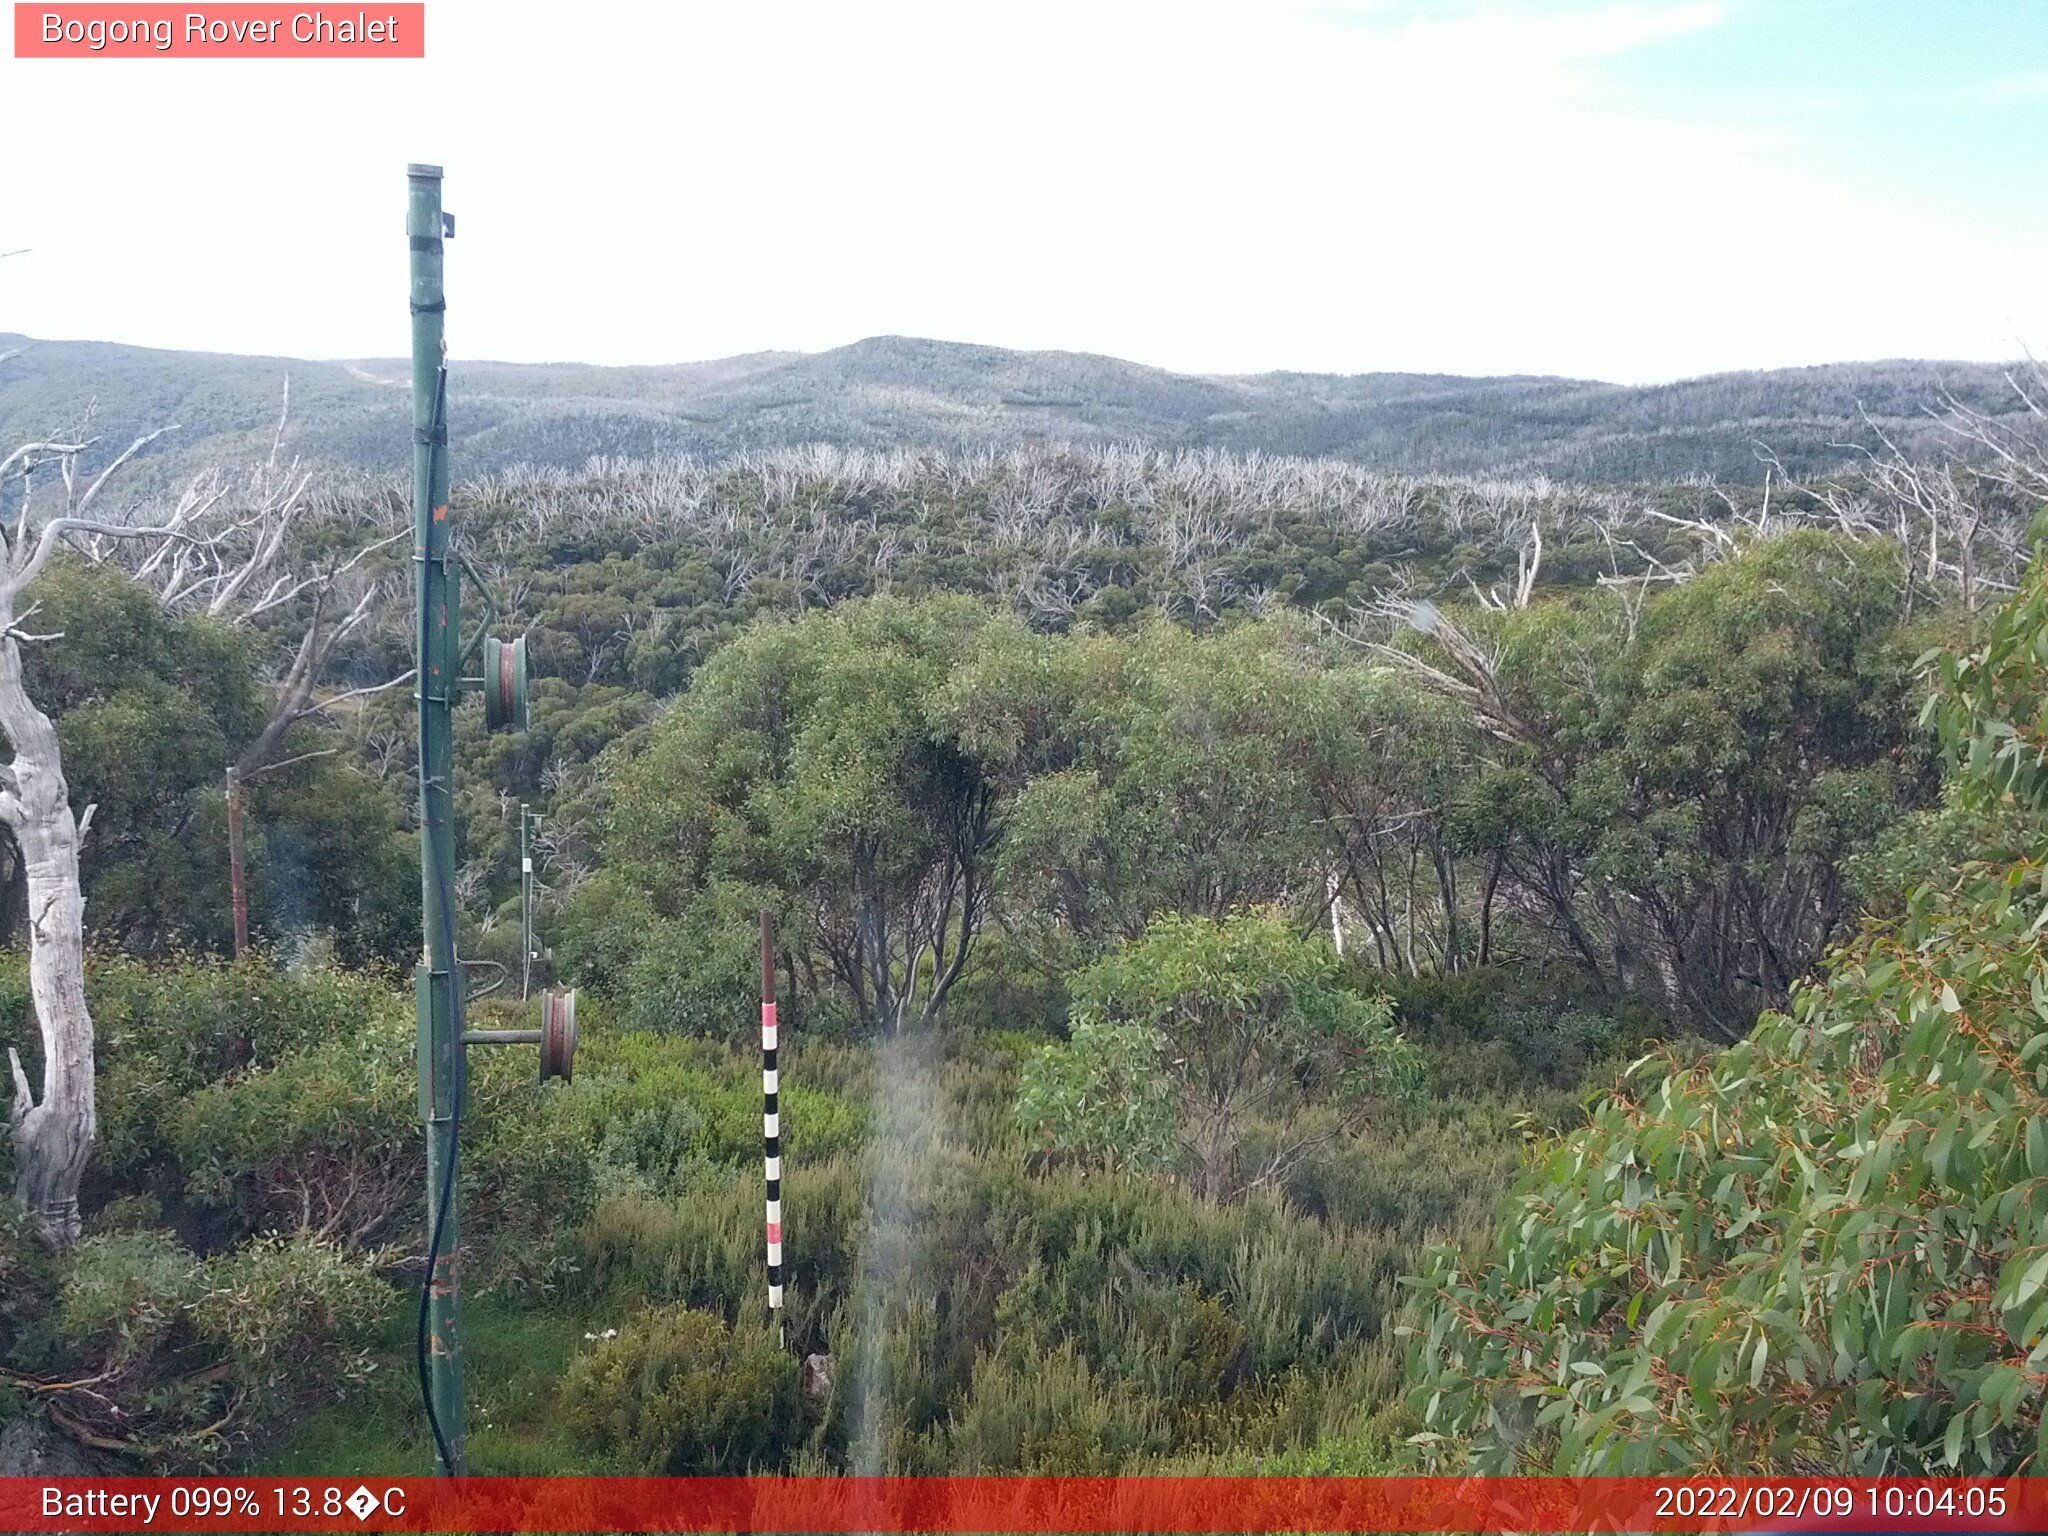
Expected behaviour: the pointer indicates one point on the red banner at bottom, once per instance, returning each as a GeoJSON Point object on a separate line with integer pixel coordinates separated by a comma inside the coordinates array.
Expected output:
{"type": "Point", "coordinates": [1025, 1504]}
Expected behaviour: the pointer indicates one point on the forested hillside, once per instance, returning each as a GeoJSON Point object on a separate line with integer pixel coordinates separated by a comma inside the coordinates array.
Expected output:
{"type": "Point", "coordinates": [897, 392]}
{"type": "Point", "coordinates": [1218, 894]}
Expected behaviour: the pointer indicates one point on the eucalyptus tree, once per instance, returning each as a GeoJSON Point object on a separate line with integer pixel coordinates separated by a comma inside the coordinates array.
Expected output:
{"type": "Point", "coordinates": [263, 552]}
{"type": "Point", "coordinates": [1821, 1250]}
{"type": "Point", "coordinates": [1189, 1036]}
{"type": "Point", "coordinates": [806, 763]}
{"type": "Point", "coordinates": [1157, 770]}
{"type": "Point", "coordinates": [1673, 790]}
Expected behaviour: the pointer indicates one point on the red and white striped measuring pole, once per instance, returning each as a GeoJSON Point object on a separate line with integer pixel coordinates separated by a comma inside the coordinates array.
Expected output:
{"type": "Point", "coordinates": [771, 1124]}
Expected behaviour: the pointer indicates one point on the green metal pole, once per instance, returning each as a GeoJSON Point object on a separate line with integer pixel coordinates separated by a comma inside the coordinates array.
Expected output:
{"type": "Point", "coordinates": [438, 985]}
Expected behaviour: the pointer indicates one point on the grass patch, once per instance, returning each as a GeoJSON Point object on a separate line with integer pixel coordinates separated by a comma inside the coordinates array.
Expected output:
{"type": "Point", "coordinates": [515, 1358]}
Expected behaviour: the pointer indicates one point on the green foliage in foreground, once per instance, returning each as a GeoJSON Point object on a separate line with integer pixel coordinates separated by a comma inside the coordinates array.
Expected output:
{"type": "Point", "coordinates": [517, 1355]}
{"type": "Point", "coordinates": [654, 1112]}
{"type": "Point", "coordinates": [993, 1319]}
{"type": "Point", "coordinates": [166, 1031]}
{"type": "Point", "coordinates": [981, 1316]}
{"type": "Point", "coordinates": [1826, 1250]}
{"type": "Point", "coordinates": [182, 1351]}
{"type": "Point", "coordinates": [243, 1294]}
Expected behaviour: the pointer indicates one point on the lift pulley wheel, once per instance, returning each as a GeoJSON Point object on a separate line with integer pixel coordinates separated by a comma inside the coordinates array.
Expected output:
{"type": "Point", "coordinates": [505, 684]}
{"type": "Point", "coordinates": [558, 1034]}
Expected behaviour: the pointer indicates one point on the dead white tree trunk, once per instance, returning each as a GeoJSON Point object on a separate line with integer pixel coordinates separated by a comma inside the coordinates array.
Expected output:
{"type": "Point", "coordinates": [53, 1131]}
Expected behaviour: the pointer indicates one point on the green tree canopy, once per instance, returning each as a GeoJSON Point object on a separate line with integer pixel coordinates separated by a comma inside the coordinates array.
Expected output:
{"type": "Point", "coordinates": [1186, 1038]}
{"type": "Point", "coordinates": [1682, 776]}
{"type": "Point", "coordinates": [1825, 1249]}
{"type": "Point", "coordinates": [149, 711]}
{"type": "Point", "coordinates": [810, 763]}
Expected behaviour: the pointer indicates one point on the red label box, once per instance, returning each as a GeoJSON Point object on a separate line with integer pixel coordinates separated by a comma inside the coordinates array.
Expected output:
{"type": "Point", "coordinates": [230, 31]}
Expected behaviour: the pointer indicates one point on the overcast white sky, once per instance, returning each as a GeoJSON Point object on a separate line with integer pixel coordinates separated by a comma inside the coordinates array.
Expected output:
{"type": "Point", "coordinates": [1631, 191]}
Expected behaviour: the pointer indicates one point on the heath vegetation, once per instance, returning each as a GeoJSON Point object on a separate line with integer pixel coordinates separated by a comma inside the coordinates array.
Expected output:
{"type": "Point", "coordinates": [1283, 965]}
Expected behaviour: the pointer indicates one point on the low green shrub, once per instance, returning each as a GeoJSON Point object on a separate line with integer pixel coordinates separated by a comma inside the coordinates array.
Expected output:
{"type": "Point", "coordinates": [188, 1359]}
{"type": "Point", "coordinates": [327, 1142]}
{"type": "Point", "coordinates": [124, 1294]}
{"type": "Point", "coordinates": [677, 1391]}
{"type": "Point", "coordinates": [1051, 1415]}
{"type": "Point", "coordinates": [1297, 1287]}
{"type": "Point", "coordinates": [166, 1031]}
{"type": "Point", "coordinates": [1439, 1172]}
{"type": "Point", "coordinates": [706, 1250]}
{"type": "Point", "coordinates": [290, 1312]}
{"type": "Point", "coordinates": [1180, 1035]}
{"type": "Point", "coordinates": [1495, 1031]}
{"type": "Point", "coordinates": [655, 1107]}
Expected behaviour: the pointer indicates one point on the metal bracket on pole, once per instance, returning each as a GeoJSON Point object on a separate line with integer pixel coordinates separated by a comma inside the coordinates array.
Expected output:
{"type": "Point", "coordinates": [556, 1036]}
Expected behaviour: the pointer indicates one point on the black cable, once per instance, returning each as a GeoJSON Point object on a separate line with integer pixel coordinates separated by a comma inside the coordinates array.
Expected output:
{"type": "Point", "coordinates": [433, 1259]}
{"type": "Point", "coordinates": [445, 889]}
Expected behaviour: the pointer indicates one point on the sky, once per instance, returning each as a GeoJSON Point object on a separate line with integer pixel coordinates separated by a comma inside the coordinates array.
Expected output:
{"type": "Point", "coordinates": [1636, 191]}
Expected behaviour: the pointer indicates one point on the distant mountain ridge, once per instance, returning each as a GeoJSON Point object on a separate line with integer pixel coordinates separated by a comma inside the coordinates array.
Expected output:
{"type": "Point", "coordinates": [894, 391]}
